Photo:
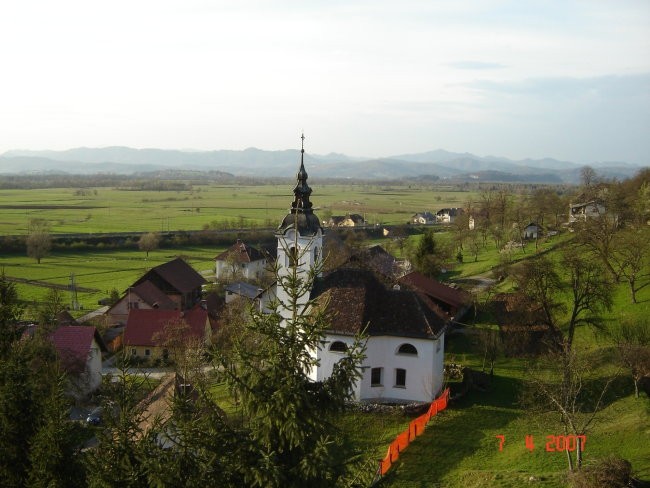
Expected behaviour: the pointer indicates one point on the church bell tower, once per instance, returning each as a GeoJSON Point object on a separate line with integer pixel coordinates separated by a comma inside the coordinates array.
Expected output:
{"type": "Point", "coordinates": [300, 235]}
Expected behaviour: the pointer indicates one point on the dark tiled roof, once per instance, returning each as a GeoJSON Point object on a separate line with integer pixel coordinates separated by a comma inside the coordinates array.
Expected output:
{"type": "Point", "coordinates": [436, 290]}
{"type": "Point", "coordinates": [143, 325]}
{"type": "Point", "coordinates": [72, 343]}
{"type": "Point", "coordinates": [180, 275]}
{"type": "Point", "coordinates": [376, 259]}
{"type": "Point", "coordinates": [153, 296]}
{"type": "Point", "coordinates": [64, 318]}
{"type": "Point", "coordinates": [354, 299]}
{"type": "Point", "coordinates": [244, 289]}
{"type": "Point", "coordinates": [451, 211]}
{"type": "Point", "coordinates": [240, 253]}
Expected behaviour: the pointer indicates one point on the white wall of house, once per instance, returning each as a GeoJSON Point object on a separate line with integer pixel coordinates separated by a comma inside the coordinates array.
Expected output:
{"type": "Point", "coordinates": [423, 373]}
{"type": "Point", "coordinates": [530, 232]}
{"type": "Point", "coordinates": [250, 271]}
{"type": "Point", "coordinates": [94, 366]}
{"type": "Point", "coordinates": [587, 211]}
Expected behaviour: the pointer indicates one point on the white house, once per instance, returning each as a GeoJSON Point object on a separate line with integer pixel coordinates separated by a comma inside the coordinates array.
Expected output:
{"type": "Point", "coordinates": [580, 212]}
{"type": "Point", "coordinates": [240, 260]}
{"type": "Point", "coordinates": [79, 348]}
{"type": "Point", "coordinates": [405, 338]}
{"type": "Point", "coordinates": [448, 215]}
{"type": "Point", "coordinates": [531, 231]}
{"type": "Point", "coordinates": [423, 218]}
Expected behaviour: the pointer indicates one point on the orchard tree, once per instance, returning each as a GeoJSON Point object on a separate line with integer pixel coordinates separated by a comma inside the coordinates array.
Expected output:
{"type": "Point", "coordinates": [632, 341]}
{"type": "Point", "coordinates": [149, 242]}
{"type": "Point", "coordinates": [631, 257]}
{"type": "Point", "coordinates": [564, 382]}
{"type": "Point", "coordinates": [39, 240]}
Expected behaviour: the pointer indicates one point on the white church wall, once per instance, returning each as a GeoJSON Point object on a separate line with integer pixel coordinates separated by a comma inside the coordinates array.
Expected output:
{"type": "Point", "coordinates": [423, 373]}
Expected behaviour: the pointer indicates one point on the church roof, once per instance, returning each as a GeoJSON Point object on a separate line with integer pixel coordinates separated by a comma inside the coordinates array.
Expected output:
{"type": "Point", "coordinates": [301, 216]}
{"type": "Point", "coordinates": [355, 301]}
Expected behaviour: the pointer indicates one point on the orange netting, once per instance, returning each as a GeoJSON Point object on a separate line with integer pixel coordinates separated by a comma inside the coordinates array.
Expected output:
{"type": "Point", "coordinates": [416, 428]}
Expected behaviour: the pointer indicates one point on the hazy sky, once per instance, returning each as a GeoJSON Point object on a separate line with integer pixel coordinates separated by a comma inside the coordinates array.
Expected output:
{"type": "Point", "coordinates": [565, 79]}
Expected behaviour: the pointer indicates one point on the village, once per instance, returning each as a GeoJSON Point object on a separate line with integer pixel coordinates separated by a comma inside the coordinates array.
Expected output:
{"type": "Point", "coordinates": [375, 327]}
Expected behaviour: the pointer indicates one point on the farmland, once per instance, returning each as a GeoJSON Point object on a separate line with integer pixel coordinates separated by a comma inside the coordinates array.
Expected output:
{"type": "Point", "coordinates": [107, 210]}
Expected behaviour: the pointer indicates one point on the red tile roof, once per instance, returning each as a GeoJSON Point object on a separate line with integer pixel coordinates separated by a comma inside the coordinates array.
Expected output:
{"type": "Point", "coordinates": [72, 343]}
{"type": "Point", "coordinates": [143, 325]}
{"type": "Point", "coordinates": [240, 253]}
{"type": "Point", "coordinates": [436, 290]}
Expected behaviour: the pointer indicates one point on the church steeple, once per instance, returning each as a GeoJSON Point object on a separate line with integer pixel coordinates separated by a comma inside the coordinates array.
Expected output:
{"type": "Point", "coordinates": [301, 214]}
{"type": "Point", "coordinates": [302, 191]}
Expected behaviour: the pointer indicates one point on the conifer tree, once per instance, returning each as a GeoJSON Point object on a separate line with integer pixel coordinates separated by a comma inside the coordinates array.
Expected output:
{"type": "Point", "coordinates": [288, 437]}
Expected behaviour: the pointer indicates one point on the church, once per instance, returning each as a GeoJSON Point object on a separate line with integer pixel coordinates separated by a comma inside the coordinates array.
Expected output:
{"type": "Point", "coordinates": [405, 335]}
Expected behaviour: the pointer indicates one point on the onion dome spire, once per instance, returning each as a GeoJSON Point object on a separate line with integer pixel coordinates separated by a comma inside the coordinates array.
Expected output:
{"type": "Point", "coordinates": [302, 213]}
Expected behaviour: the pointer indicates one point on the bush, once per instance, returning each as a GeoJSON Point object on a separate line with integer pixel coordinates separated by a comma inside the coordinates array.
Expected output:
{"type": "Point", "coordinates": [610, 472]}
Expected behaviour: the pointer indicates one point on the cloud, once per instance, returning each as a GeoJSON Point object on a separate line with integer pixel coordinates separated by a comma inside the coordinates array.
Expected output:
{"type": "Point", "coordinates": [609, 86]}
{"type": "Point", "coordinates": [476, 65]}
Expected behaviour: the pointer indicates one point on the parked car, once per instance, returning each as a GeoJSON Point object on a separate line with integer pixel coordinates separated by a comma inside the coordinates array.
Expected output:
{"type": "Point", "coordinates": [95, 416]}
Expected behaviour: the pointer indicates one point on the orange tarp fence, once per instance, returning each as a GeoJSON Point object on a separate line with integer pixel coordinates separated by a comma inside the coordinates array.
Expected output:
{"type": "Point", "coordinates": [416, 428]}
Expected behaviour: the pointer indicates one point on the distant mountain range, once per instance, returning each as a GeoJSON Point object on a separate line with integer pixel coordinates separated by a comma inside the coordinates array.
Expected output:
{"type": "Point", "coordinates": [257, 162]}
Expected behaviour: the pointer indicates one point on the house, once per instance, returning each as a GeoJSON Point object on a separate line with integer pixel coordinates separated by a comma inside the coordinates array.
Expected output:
{"type": "Point", "coordinates": [532, 231]}
{"type": "Point", "coordinates": [240, 260]}
{"type": "Point", "coordinates": [144, 330]}
{"type": "Point", "coordinates": [349, 220]}
{"type": "Point", "coordinates": [405, 348]}
{"type": "Point", "coordinates": [580, 212]}
{"type": "Point", "coordinates": [145, 296]}
{"type": "Point", "coordinates": [448, 215]}
{"type": "Point", "coordinates": [240, 289]}
{"type": "Point", "coordinates": [423, 218]}
{"type": "Point", "coordinates": [452, 303]}
{"type": "Point", "coordinates": [79, 348]}
{"type": "Point", "coordinates": [177, 280]}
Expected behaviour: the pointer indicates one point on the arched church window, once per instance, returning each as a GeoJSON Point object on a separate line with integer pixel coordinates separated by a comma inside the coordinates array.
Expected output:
{"type": "Point", "coordinates": [408, 349]}
{"type": "Point", "coordinates": [338, 346]}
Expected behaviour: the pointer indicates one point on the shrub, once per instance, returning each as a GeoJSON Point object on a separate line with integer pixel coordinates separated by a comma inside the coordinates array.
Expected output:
{"type": "Point", "coordinates": [610, 472]}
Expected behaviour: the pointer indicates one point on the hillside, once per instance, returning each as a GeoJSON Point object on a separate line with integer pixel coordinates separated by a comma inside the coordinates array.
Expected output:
{"type": "Point", "coordinates": [261, 163]}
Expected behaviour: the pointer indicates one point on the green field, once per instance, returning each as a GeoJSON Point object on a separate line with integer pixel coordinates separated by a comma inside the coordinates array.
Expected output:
{"type": "Point", "coordinates": [118, 210]}
{"type": "Point", "coordinates": [99, 271]}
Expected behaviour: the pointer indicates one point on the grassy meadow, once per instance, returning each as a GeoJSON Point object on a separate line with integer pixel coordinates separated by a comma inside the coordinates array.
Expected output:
{"type": "Point", "coordinates": [98, 272]}
{"type": "Point", "coordinates": [119, 210]}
